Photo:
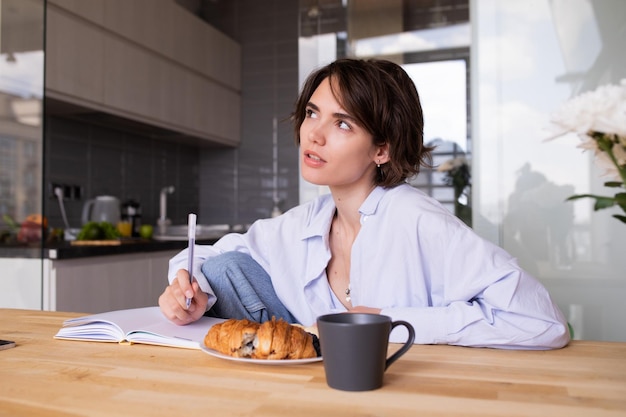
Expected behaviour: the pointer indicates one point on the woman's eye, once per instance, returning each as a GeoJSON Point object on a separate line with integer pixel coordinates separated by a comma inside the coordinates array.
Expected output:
{"type": "Point", "coordinates": [310, 113]}
{"type": "Point", "coordinates": [343, 125]}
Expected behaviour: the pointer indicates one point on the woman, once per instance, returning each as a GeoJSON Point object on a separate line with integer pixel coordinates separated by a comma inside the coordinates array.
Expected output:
{"type": "Point", "coordinates": [374, 244]}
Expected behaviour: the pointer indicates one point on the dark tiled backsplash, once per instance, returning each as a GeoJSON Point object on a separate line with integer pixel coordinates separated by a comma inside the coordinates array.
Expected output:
{"type": "Point", "coordinates": [104, 161]}
{"type": "Point", "coordinates": [221, 185]}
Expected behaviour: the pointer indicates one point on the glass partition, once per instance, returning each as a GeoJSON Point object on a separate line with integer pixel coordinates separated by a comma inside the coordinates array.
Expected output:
{"type": "Point", "coordinates": [21, 147]}
{"type": "Point", "coordinates": [528, 59]}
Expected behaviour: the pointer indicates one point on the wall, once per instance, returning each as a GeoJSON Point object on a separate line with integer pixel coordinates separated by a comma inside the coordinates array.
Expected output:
{"type": "Point", "coordinates": [240, 185]}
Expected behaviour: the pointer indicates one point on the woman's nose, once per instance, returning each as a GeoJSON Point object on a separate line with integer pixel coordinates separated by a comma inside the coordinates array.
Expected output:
{"type": "Point", "coordinates": [316, 134]}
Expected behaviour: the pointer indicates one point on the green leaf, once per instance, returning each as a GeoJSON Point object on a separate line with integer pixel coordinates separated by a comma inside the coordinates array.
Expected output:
{"type": "Point", "coordinates": [576, 197]}
{"type": "Point", "coordinates": [620, 200]}
{"type": "Point", "coordinates": [613, 184]}
{"type": "Point", "coordinates": [601, 201]}
{"type": "Point", "coordinates": [620, 217]}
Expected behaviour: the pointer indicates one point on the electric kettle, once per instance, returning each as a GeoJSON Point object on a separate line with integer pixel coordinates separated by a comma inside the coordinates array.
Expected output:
{"type": "Point", "coordinates": [104, 208]}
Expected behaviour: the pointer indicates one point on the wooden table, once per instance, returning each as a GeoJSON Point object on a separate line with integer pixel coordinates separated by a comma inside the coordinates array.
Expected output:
{"type": "Point", "coordinates": [43, 376]}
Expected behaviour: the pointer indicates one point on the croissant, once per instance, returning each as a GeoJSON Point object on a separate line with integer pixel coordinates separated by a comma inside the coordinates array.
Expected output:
{"type": "Point", "coordinates": [274, 339]}
{"type": "Point", "coordinates": [233, 337]}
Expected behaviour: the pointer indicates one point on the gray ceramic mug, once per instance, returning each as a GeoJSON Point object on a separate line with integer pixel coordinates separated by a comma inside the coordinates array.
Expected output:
{"type": "Point", "coordinates": [354, 348]}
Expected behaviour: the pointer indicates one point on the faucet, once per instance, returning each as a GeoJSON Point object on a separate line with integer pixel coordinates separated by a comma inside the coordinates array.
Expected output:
{"type": "Point", "coordinates": [163, 221]}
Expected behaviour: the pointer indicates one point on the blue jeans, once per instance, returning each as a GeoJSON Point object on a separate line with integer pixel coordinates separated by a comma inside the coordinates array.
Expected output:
{"type": "Point", "coordinates": [243, 289]}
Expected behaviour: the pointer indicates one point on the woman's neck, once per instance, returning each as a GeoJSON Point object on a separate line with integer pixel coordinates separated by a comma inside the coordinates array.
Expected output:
{"type": "Point", "coordinates": [348, 202]}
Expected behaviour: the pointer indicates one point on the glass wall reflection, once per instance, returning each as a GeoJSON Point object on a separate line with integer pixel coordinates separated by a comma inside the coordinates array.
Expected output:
{"type": "Point", "coordinates": [530, 58]}
{"type": "Point", "coordinates": [21, 147]}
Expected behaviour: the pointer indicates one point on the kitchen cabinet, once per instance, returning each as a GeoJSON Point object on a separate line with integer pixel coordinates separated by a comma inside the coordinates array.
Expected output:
{"type": "Point", "coordinates": [20, 283]}
{"type": "Point", "coordinates": [145, 60]}
{"type": "Point", "coordinates": [163, 27]}
{"type": "Point", "coordinates": [74, 60]}
{"type": "Point", "coordinates": [105, 283]}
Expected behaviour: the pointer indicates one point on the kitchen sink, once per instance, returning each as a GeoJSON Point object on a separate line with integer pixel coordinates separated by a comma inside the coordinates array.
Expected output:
{"type": "Point", "coordinates": [203, 232]}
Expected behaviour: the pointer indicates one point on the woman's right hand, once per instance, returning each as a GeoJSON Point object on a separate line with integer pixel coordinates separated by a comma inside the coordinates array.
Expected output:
{"type": "Point", "coordinates": [173, 301]}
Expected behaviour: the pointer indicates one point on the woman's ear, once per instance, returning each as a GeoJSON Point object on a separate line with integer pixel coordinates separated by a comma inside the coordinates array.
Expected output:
{"type": "Point", "coordinates": [382, 154]}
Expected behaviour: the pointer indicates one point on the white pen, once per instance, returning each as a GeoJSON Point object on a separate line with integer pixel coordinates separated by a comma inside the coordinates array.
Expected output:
{"type": "Point", "coordinates": [191, 234]}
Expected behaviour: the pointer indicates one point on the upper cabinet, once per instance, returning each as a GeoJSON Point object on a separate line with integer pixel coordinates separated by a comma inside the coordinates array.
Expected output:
{"type": "Point", "coordinates": [146, 60]}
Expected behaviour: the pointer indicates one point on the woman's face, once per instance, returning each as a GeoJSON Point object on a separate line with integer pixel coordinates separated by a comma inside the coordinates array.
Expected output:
{"type": "Point", "coordinates": [334, 149]}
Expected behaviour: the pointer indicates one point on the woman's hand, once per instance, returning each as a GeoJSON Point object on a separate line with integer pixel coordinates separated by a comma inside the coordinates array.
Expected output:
{"type": "Point", "coordinates": [173, 301]}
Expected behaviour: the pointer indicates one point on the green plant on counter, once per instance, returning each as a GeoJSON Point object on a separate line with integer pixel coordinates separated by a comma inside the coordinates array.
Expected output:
{"type": "Point", "coordinates": [98, 231]}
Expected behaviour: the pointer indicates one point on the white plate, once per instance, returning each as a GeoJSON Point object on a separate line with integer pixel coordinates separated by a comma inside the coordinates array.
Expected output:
{"type": "Point", "coordinates": [259, 361]}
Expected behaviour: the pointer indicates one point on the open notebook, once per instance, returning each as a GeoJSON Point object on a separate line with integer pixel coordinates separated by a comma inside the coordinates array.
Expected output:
{"type": "Point", "coordinates": [139, 325]}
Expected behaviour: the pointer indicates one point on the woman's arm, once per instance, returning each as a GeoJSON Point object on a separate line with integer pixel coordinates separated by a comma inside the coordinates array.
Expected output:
{"type": "Point", "coordinates": [515, 312]}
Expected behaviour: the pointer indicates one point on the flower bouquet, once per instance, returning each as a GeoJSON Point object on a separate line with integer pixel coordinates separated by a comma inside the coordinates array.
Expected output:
{"type": "Point", "coordinates": [599, 119]}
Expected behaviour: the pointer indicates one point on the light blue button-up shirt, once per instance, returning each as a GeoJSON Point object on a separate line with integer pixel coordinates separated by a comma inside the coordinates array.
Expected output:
{"type": "Point", "coordinates": [413, 259]}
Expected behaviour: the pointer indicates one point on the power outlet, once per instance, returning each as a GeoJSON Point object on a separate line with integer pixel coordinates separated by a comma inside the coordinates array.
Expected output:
{"type": "Point", "coordinates": [67, 192]}
{"type": "Point", "coordinates": [70, 192]}
{"type": "Point", "coordinates": [77, 192]}
{"type": "Point", "coordinates": [52, 187]}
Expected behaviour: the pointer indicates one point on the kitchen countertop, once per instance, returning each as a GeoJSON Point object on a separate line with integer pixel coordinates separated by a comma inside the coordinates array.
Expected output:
{"type": "Point", "coordinates": [64, 250]}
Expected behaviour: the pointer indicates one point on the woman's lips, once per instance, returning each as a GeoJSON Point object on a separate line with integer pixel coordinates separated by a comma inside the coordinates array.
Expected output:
{"type": "Point", "coordinates": [312, 159]}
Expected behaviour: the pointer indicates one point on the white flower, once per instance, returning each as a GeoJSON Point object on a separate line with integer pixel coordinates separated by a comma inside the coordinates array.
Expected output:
{"type": "Point", "coordinates": [602, 160]}
{"type": "Point", "coordinates": [601, 110]}
{"type": "Point", "coordinates": [599, 119]}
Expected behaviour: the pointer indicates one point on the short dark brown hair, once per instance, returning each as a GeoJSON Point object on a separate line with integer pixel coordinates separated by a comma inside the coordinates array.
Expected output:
{"type": "Point", "coordinates": [383, 99]}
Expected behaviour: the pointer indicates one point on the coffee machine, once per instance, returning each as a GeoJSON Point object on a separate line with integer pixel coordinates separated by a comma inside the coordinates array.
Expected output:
{"type": "Point", "coordinates": [131, 212]}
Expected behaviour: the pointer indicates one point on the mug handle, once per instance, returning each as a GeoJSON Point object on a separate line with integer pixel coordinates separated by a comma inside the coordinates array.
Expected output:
{"type": "Point", "coordinates": [407, 345]}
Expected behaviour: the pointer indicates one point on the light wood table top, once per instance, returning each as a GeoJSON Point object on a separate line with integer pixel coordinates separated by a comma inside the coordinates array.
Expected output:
{"type": "Point", "coordinates": [43, 376]}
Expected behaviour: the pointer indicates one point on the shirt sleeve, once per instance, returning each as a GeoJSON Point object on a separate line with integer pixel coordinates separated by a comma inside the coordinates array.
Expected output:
{"type": "Point", "coordinates": [526, 320]}
{"type": "Point", "coordinates": [229, 242]}
{"type": "Point", "coordinates": [486, 300]}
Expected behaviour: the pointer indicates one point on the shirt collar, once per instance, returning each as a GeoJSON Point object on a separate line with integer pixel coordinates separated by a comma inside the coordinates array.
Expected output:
{"type": "Point", "coordinates": [320, 217]}
{"type": "Point", "coordinates": [323, 210]}
{"type": "Point", "coordinates": [370, 204]}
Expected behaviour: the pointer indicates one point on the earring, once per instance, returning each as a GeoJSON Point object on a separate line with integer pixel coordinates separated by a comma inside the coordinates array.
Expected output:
{"type": "Point", "coordinates": [378, 164]}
